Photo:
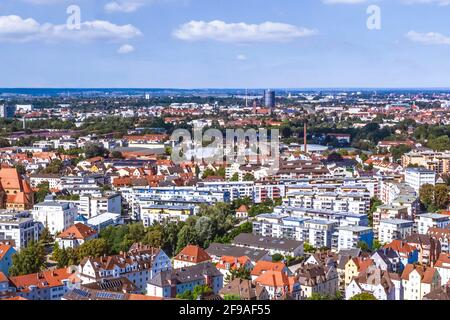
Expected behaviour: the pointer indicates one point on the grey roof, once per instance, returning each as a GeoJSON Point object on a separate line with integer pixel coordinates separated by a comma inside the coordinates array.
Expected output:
{"type": "Point", "coordinates": [220, 250]}
{"type": "Point", "coordinates": [185, 275]}
{"type": "Point", "coordinates": [251, 240]}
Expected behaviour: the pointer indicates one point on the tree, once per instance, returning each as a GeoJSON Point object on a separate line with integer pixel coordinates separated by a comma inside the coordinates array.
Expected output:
{"type": "Point", "coordinates": [231, 297]}
{"type": "Point", "coordinates": [20, 168]}
{"type": "Point", "coordinates": [277, 257]}
{"type": "Point", "coordinates": [434, 198]}
{"type": "Point", "coordinates": [95, 150]}
{"type": "Point", "coordinates": [43, 191]}
{"type": "Point", "coordinates": [54, 167]}
{"type": "Point", "coordinates": [377, 245]}
{"type": "Point", "coordinates": [30, 259]}
{"type": "Point", "coordinates": [46, 236]}
{"type": "Point", "coordinates": [364, 296]}
{"type": "Point", "coordinates": [93, 248]}
{"type": "Point", "coordinates": [116, 155]}
{"type": "Point", "coordinates": [308, 248]}
{"type": "Point", "coordinates": [241, 273]}
{"type": "Point", "coordinates": [441, 143]}
{"type": "Point", "coordinates": [363, 246]}
{"type": "Point", "coordinates": [235, 177]}
{"type": "Point", "coordinates": [249, 177]}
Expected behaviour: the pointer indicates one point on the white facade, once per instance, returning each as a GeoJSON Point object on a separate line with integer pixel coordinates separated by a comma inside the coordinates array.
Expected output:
{"type": "Point", "coordinates": [394, 229]}
{"type": "Point", "coordinates": [91, 206]}
{"type": "Point", "coordinates": [417, 177]}
{"type": "Point", "coordinates": [18, 227]}
{"type": "Point", "coordinates": [56, 216]}
{"type": "Point", "coordinates": [431, 220]}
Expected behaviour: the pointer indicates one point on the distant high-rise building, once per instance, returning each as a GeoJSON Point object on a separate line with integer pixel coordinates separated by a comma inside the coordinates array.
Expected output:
{"type": "Point", "coordinates": [269, 99]}
{"type": "Point", "coordinates": [147, 96]}
{"type": "Point", "coordinates": [7, 111]}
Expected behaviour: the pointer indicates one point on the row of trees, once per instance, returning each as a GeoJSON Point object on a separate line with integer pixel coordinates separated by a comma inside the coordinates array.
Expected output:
{"type": "Point", "coordinates": [434, 198]}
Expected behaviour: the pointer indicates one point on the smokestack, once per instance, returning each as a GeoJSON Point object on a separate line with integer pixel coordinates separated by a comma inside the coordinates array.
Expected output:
{"type": "Point", "coordinates": [305, 137]}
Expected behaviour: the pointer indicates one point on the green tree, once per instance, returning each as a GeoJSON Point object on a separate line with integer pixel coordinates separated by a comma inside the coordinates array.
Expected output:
{"type": "Point", "coordinates": [241, 273]}
{"type": "Point", "coordinates": [30, 259]}
{"type": "Point", "coordinates": [374, 204]}
{"type": "Point", "coordinates": [277, 257]}
{"type": "Point", "coordinates": [46, 236]}
{"type": "Point", "coordinates": [364, 296]}
{"type": "Point", "coordinates": [235, 177]}
{"type": "Point", "coordinates": [231, 297]}
{"type": "Point", "coordinates": [95, 150]}
{"type": "Point", "coordinates": [116, 155]}
{"type": "Point", "coordinates": [93, 248]}
{"type": "Point", "coordinates": [249, 177]}
{"type": "Point", "coordinates": [43, 191]}
{"type": "Point", "coordinates": [441, 143]}
{"type": "Point", "coordinates": [308, 248]}
{"type": "Point", "coordinates": [427, 197]}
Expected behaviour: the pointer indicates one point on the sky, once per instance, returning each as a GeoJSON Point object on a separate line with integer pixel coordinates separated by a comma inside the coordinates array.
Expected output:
{"type": "Point", "coordinates": [224, 44]}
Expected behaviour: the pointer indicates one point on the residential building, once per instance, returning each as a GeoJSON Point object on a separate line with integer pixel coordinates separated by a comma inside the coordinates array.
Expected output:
{"type": "Point", "coordinates": [190, 256]}
{"type": "Point", "coordinates": [139, 265]}
{"type": "Point", "coordinates": [46, 285]}
{"type": "Point", "coordinates": [394, 229]}
{"type": "Point", "coordinates": [93, 205]}
{"type": "Point", "coordinates": [245, 289]}
{"type": "Point", "coordinates": [374, 281]}
{"type": "Point", "coordinates": [348, 237]}
{"type": "Point", "coordinates": [429, 248]}
{"type": "Point", "coordinates": [443, 236]}
{"type": "Point", "coordinates": [18, 227]}
{"type": "Point", "coordinates": [75, 236]}
{"type": "Point", "coordinates": [355, 266]}
{"type": "Point", "coordinates": [6, 253]}
{"type": "Point", "coordinates": [419, 281]}
{"type": "Point", "coordinates": [169, 284]}
{"type": "Point", "coordinates": [279, 285]}
{"type": "Point", "coordinates": [54, 215]}
{"type": "Point", "coordinates": [431, 220]}
{"type": "Point", "coordinates": [408, 254]}
{"type": "Point", "coordinates": [417, 177]}
{"type": "Point", "coordinates": [218, 250]}
{"type": "Point", "coordinates": [443, 267]}
{"type": "Point", "coordinates": [284, 247]}
{"type": "Point", "coordinates": [227, 264]}
{"type": "Point", "coordinates": [317, 278]}
{"type": "Point", "coordinates": [15, 192]}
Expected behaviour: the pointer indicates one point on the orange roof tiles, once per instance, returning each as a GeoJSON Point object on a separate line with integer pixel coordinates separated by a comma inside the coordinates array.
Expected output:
{"type": "Point", "coordinates": [3, 278]}
{"type": "Point", "coordinates": [273, 279]}
{"type": "Point", "coordinates": [193, 254]}
{"type": "Point", "coordinates": [400, 246]}
{"type": "Point", "coordinates": [233, 262]}
{"type": "Point", "coordinates": [426, 273]}
{"type": "Point", "coordinates": [45, 279]}
{"type": "Point", "coordinates": [263, 266]}
{"type": "Point", "coordinates": [77, 231]}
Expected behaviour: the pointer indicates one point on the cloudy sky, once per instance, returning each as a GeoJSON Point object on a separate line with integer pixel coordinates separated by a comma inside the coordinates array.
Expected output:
{"type": "Point", "coordinates": [224, 43]}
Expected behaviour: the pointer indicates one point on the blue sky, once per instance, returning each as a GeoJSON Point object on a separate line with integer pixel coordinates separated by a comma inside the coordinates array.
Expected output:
{"type": "Point", "coordinates": [225, 44]}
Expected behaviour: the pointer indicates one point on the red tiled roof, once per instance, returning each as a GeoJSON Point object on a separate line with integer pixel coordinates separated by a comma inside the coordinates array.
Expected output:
{"type": "Point", "coordinates": [193, 254]}
{"type": "Point", "coordinates": [3, 250]}
{"type": "Point", "coordinates": [45, 279]}
{"type": "Point", "coordinates": [263, 266]}
{"type": "Point", "coordinates": [77, 231]}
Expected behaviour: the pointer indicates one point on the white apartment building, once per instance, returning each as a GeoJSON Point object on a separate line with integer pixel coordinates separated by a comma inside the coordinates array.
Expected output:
{"type": "Point", "coordinates": [56, 216]}
{"type": "Point", "coordinates": [394, 229]}
{"type": "Point", "coordinates": [348, 237]}
{"type": "Point", "coordinates": [18, 227]}
{"type": "Point", "coordinates": [430, 220]}
{"type": "Point", "coordinates": [91, 206]}
{"type": "Point", "coordinates": [417, 177]}
{"type": "Point", "coordinates": [53, 180]}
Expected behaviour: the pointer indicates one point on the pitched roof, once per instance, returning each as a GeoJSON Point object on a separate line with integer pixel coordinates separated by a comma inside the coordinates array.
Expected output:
{"type": "Point", "coordinates": [4, 250]}
{"type": "Point", "coordinates": [242, 208]}
{"type": "Point", "coordinates": [231, 263]}
{"type": "Point", "coordinates": [193, 254]}
{"type": "Point", "coordinates": [45, 279]}
{"type": "Point", "coordinates": [400, 246]}
{"type": "Point", "coordinates": [443, 261]}
{"type": "Point", "coordinates": [426, 273]}
{"type": "Point", "coordinates": [3, 278]}
{"type": "Point", "coordinates": [264, 266]}
{"type": "Point", "coordinates": [273, 279]}
{"type": "Point", "coordinates": [243, 288]}
{"type": "Point", "coordinates": [77, 231]}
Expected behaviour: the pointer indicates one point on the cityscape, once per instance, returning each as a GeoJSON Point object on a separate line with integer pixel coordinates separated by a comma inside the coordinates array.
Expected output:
{"type": "Point", "coordinates": [123, 192]}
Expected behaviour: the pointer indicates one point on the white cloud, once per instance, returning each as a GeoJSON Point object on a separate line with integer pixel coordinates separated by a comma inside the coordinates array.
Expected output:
{"type": "Point", "coordinates": [44, 1]}
{"type": "Point", "coordinates": [430, 38]}
{"type": "Point", "coordinates": [126, 48]}
{"type": "Point", "coordinates": [241, 57]}
{"type": "Point", "coordinates": [15, 28]}
{"type": "Point", "coordinates": [240, 32]}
